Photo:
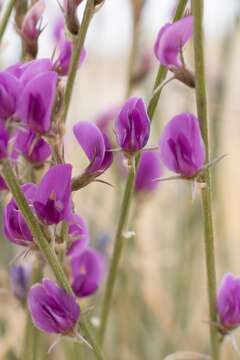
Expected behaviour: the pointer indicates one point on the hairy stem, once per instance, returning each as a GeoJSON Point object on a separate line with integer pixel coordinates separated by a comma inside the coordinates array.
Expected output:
{"type": "Point", "coordinates": [125, 208]}
{"type": "Point", "coordinates": [5, 18]}
{"type": "Point", "coordinates": [78, 43]}
{"type": "Point", "coordinates": [197, 6]}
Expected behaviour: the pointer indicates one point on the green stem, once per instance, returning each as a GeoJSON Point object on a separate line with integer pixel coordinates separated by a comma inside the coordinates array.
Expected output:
{"type": "Point", "coordinates": [5, 17]}
{"type": "Point", "coordinates": [41, 241]}
{"type": "Point", "coordinates": [78, 43]}
{"type": "Point", "coordinates": [197, 8]}
{"type": "Point", "coordinates": [125, 207]}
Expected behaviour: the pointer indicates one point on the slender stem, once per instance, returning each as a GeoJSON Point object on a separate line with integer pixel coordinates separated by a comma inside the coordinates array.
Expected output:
{"type": "Point", "coordinates": [5, 17]}
{"type": "Point", "coordinates": [78, 43]}
{"type": "Point", "coordinates": [125, 207]}
{"type": "Point", "coordinates": [40, 239]}
{"type": "Point", "coordinates": [162, 72]}
{"type": "Point", "coordinates": [197, 7]}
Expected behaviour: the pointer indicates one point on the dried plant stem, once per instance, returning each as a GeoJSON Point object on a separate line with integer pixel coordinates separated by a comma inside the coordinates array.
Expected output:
{"type": "Point", "coordinates": [125, 207]}
{"type": "Point", "coordinates": [5, 18]}
{"type": "Point", "coordinates": [41, 241]}
{"type": "Point", "coordinates": [197, 7]}
{"type": "Point", "coordinates": [78, 42]}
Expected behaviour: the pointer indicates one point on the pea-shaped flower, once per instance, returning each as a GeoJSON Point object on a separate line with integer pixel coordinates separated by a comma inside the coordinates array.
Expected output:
{"type": "Point", "coordinates": [228, 303]}
{"type": "Point", "coordinates": [52, 309]}
{"type": "Point", "coordinates": [36, 102]}
{"type": "Point", "coordinates": [181, 145]}
{"type": "Point", "coordinates": [10, 90]}
{"type": "Point", "coordinates": [52, 201]}
{"type": "Point", "coordinates": [14, 225]}
{"type": "Point", "coordinates": [132, 126]}
{"type": "Point", "coordinates": [78, 234]}
{"type": "Point", "coordinates": [148, 170]}
{"type": "Point", "coordinates": [20, 277]}
{"type": "Point", "coordinates": [87, 269]}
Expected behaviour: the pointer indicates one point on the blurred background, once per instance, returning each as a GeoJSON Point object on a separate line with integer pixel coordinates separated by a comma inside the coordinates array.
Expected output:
{"type": "Point", "coordinates": [160, 303]}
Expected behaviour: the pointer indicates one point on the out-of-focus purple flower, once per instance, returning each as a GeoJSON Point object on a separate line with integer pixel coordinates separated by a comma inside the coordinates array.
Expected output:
{"type": "Point", "coordinates": [31, 30]}
{"type": "Point", "coordinates": [105, 119]}
{"type": "Point", "coordinates": [95, 145]}
{"type": "Point", "coordinates": [52, 201]}
{"type": "Point", "coordinates": [36, 102]}
{"type": "Point", "coordinates": [4, 137]}
{"type": "Point", "coordinates": [52, 309]}
{"type": "Point", "coordinates": [132, 126]}
{"type": "Point", "coordinates": [14, 225]}
{"type": "Point", "coordinates": [3, 185]}
{"type": "Point", "coordinates": [10, 90]}
{"type": "Point", "coordinates": [78, 234]}
{"type": "Point", "coordinates": [63, 61]}
{"type": "Point", "coordinates": [58, 28]}
{"type": "Point", "coordinates": [148, 170]}
{"type": "Point", "coordinates": [228, 302]}
{"type": "Point", "coordinates": [20, 281]}
{"type": "Point", "coordinates": [181, 145]}
{"type": "Point", "coordinates": [171, 39]}
{"type": "Point", "coordinates": [87, 269]}
{"type": "Point", "coordinates": [35, 149]}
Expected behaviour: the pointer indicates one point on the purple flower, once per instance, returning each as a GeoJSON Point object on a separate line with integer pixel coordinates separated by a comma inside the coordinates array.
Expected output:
{"type": "Point", "coordinates": [170, 41]}
{"type": "Point", "coordinates": [52, 201]}
{"type": "Point", "coordinates": [181, 145]}
{"type": "Point", "coordinates": [148, 170]}
{"type": "Point", "coordinates": [14, 225]}
{"type": "Point", "coordinates": [36, 102]}
{"type": "Point", "coordinates": [105, 119]}
{"type": "Point", "coordinates": [96, 145]}
{"type": "Point", "coordinates": [20, 281]}
{"type": "Point", "coordinates": [228, 302]}
{"type": "Point", "coordinates": [3, 185]}
{"type": "Point", "coordinates": [4, 137]}
{"type": "Point", "coordinates": [78, 234]}
{"type": "Point", "coordinates": [132, 126]}
{"type": "Point", "coordinates": [63, 61]}
{"type": "Point", "coordinates": [10, 89]}
{"type": "Point", "coordinates": [33, 148]}
{"type": "Point", "coordinates": [87, 271]}
{"type": "Point", "coordinates": [31, 30]}
{"type": "Point", "coordinates": [52, 309]}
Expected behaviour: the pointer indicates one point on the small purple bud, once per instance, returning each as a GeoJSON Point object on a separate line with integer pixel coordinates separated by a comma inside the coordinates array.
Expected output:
{"type": "Point", "coordinates": [14, 225]}
{"type": "Point", "coordinates": [35, 149]}
{"type": "Point", "coordinates": [88, 268]}
{"type": "Point", "coordinates": [4, 137]}
{"type": "Point", "coordinates": [132, 126]}
{"type": "Point", "coordinates": [20, 277]}
{"type": "Point", "coordinates": [52, 309]}
{"type": "Point", "coordinates": [52, 201]}
{"type": "Point", "coordinates": [78, 234]}
{"type": "Point", "coordinates": [36, 102]}
{"type": "Point", "coordinates": [170, 41]}
{"type": "Point", "coordinates": [63, 61]}
{"type": "Point", "coordinates": [181, 145]}
{"type": "Point", "coordinates": [148, 170]}
{"type": "Point", "coordinates": [228, 302]}
{"type": "Point", "coordinates": [96, 145]}
{"type": "Point", "coordinates": [31, 30]}
{"type": "Point", "coordinates": [10, 90]}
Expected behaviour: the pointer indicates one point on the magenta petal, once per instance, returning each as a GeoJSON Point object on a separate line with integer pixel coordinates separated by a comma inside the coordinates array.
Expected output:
{"type": "Point", "coordinates": [52, 309]}
{"type": "Point", "coordinates": [35, 68]}
{"type": "Point", "coordinates": [149, 169]}
{"type": "Point", "coordinates": [10, 90]}
{"type": "Point", "coordinates": [170, 40]}
{"type": "Point", "coordinates": [52, 201]}
{"type": "Point", "coordinates": [4, 138]}
{"type": "Point", "coordinates": [78, 233]}
{"type": "Point", "coordinates": [36, 103]}
{"type": "Point", "coordinates": [181, 145]}
{"type": "Point", "coordinates": [92, 142]}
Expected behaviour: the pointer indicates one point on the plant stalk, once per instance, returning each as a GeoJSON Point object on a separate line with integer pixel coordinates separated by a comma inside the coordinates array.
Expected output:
{"type": "Point", "coordinates": [5, 18]}
{"type": "Point", "coordinates": [125, 207]}
{"type": "Point", "coordinates": [77, 43]}
{"type": "Point", "coordinates": [201, 99]}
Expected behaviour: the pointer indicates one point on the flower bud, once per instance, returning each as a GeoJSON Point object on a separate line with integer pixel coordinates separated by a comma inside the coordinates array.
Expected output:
{"type": "Point", "coordinates": [20, 281]}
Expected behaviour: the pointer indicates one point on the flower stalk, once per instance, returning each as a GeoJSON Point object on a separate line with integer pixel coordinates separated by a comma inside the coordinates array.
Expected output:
{"type": "Point", "coordinates": [5, 17]}
{"type": "Point", "coordinates": [197, 8]}
{"type": "Point", "coordinates": [125, 207]}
